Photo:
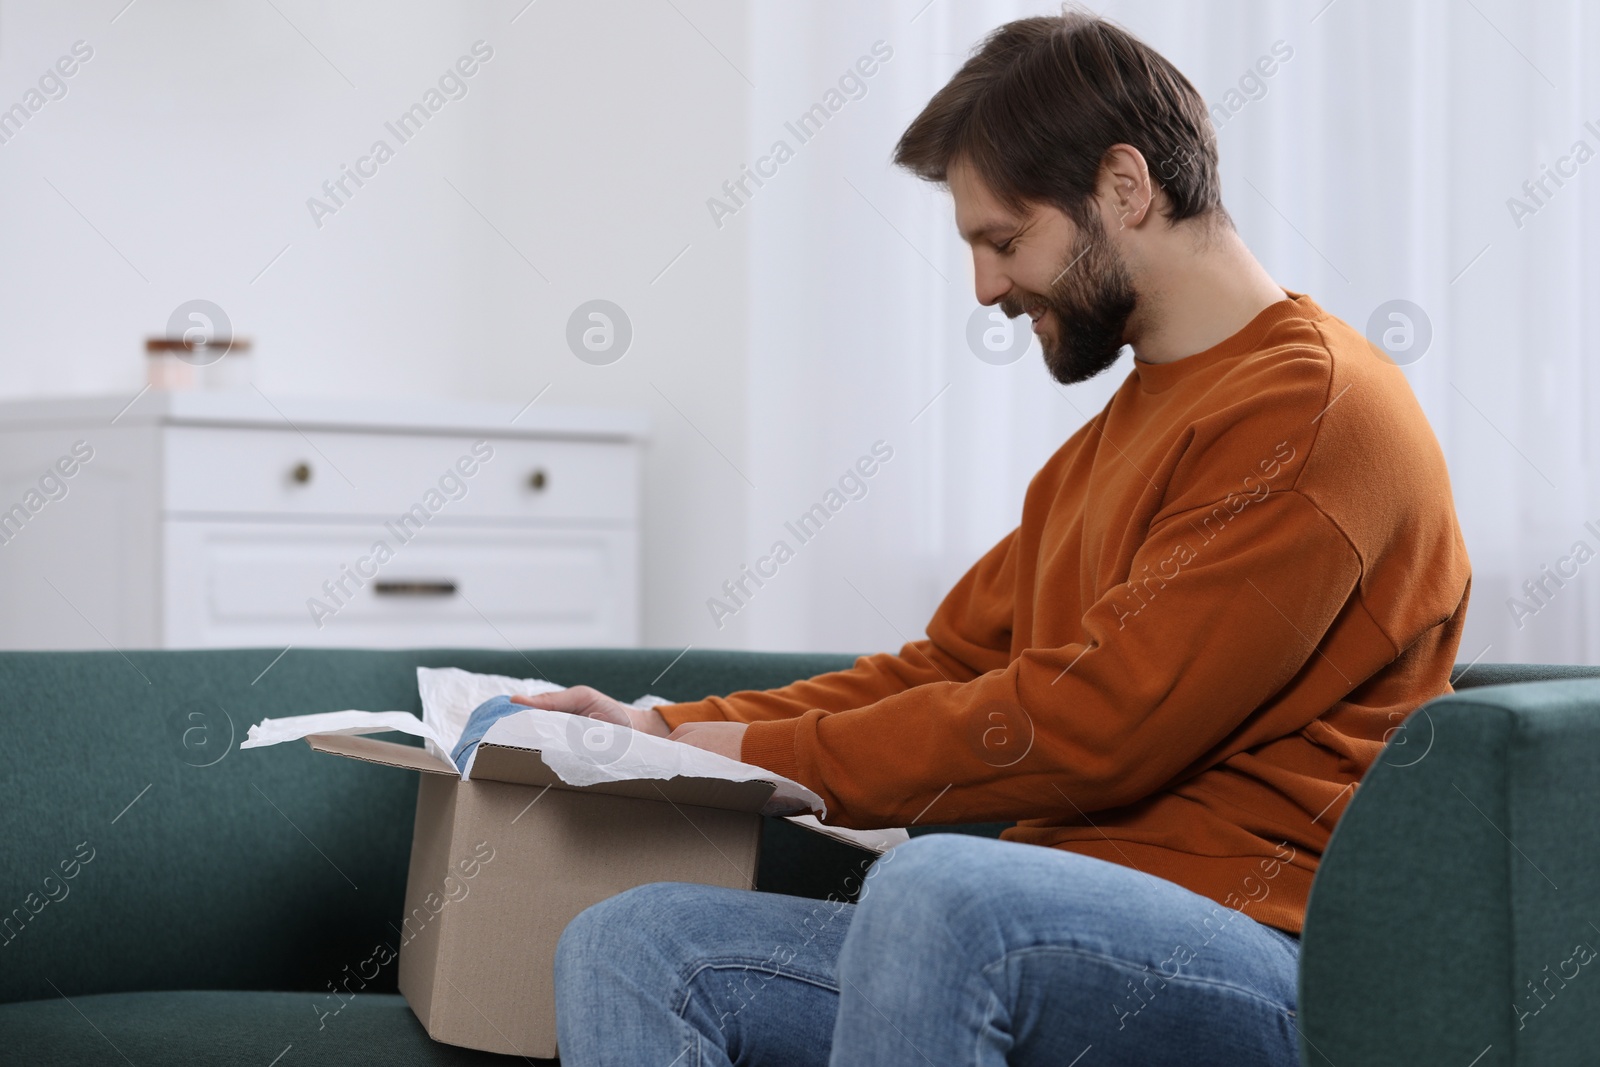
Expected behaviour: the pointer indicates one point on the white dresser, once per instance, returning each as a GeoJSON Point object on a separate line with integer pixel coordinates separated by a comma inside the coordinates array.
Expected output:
{"type": "Point", "coordinates": [207, 519]}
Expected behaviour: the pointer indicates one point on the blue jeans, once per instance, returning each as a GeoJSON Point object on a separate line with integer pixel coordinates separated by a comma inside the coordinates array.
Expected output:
{"type": "Point", "coordinates": [960, 950]}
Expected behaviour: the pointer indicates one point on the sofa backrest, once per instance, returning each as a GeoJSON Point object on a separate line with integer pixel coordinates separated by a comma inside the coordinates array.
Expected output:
{"type": "Point", "coordinates": [143, 850]}
{"type": "Point", "coordinates": [1477, 675]}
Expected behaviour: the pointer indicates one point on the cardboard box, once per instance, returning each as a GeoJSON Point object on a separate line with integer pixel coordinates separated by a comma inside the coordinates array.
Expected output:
{"type": "Point", "coordinates": [502, 862]}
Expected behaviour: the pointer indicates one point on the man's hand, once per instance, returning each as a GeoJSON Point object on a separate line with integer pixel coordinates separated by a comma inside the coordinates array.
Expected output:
{"type": "Point", "coordinates": [593, 704]}
{"type": "Point", "coordinates": [723, 738]}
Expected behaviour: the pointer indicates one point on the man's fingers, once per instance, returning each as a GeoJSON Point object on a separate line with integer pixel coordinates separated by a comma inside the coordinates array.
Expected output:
{"type": "Point", "coordinates": [579, 700]}
{"type": "Point", "coordinates": [576, 699]}
{"type": "Point", "coordinates": [561, 701]}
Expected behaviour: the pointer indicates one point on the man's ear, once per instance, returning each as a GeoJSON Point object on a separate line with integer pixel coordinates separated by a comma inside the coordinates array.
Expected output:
{"type": "Point", "coordinates": [1129, 189]}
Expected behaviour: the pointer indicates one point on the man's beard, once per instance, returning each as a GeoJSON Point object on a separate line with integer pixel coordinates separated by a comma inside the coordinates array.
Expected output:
{"type": "Point", "coordinates": [1092, 298]}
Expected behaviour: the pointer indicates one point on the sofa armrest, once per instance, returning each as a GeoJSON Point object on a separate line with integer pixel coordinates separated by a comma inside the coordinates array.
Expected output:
{"type": "Point", "coordinates": [1453, 918]}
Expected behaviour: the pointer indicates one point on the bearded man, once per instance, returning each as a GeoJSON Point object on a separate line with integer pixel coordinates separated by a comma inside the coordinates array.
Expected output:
{"type": "Point", "coordinates": [1225, 591]}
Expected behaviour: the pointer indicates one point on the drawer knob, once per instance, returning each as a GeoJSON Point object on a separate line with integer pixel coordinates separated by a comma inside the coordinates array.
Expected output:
{"type": "Point", "coordinates": [538, 479]}
{"type": "Point", "coordinates": [301, 473]}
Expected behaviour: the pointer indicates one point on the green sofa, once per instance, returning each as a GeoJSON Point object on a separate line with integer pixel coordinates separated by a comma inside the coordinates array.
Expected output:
{"type": "Point", "coordinates": [165, 898]}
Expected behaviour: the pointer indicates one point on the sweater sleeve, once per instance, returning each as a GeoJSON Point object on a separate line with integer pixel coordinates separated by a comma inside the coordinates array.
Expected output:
{"type": "Point", "coordinates": [1176, 659]}
{"type": "Point", "coordinates": [970, 634]}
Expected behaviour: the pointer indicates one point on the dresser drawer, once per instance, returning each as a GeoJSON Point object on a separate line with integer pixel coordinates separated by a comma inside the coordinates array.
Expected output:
{"type": "Point", "coordinates": [328, 585]}
{"type": "Point", "coordinates": [252, 471]}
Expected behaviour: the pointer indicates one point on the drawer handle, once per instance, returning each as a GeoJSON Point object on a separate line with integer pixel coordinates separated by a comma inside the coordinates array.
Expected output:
{"type": "Point", "coordinates": [538, 479]}
{"type": "Point", "coordinates": [301, 473]}
{"type": "Point", "coordinates": [422, 589]}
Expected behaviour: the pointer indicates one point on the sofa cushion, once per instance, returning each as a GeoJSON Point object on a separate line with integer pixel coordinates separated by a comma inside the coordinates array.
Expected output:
{"type": "Point", "coordinates": [214, 1028]}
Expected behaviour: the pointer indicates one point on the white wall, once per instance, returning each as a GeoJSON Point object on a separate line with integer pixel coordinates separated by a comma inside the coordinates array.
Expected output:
{"type": "Point", "coordinates": [828, 311]}
{"type": "Point", "coordinates": [190, 142]}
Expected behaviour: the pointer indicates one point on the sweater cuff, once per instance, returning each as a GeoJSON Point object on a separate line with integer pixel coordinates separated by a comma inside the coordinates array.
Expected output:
{"type": "Point", "coordinates": [770, 743]}
{"type": "Point", "coordinates": [675, 715]}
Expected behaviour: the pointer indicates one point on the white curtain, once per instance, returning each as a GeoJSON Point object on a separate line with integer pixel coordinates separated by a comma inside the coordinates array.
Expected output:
{"type": "Point", "coordinates": [1375, 163]}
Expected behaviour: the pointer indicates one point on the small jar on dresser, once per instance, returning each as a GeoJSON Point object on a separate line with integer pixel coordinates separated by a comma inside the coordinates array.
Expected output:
{"type": "Point", "coordinates": [227, 518]}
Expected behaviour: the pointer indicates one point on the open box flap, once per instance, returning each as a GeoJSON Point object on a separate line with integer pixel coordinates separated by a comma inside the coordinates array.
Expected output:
{"type": "Point", "coordinates": [503, 763]}
{"type": "Point", "coordinates": [879, 841]}
{"type": "Point", "coordinates": [520, 766]}
{"type": "Point", "coordinates": [388, 753]}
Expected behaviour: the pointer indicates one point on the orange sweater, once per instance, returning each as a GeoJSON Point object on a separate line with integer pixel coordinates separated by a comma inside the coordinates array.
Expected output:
{"type": "Point", "coordinates": [1227, 588]}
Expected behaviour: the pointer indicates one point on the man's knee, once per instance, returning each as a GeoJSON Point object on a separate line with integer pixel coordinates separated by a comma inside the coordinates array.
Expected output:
{"type": "Point", "coordinates": [622, 925]}
{"type": "Point", "coordinates": [937, 873]}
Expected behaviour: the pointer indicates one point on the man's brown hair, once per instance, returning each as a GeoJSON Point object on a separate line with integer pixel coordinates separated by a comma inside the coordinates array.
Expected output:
{"type": "Point", "coordinates": [1039, 102]}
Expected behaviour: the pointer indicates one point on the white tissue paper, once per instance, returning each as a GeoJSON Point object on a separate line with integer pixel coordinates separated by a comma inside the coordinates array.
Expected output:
{"type": "Point", "coordinates": [449, 695]}
{"type": "Point", "coordinates": [589, 751]}
{"type": "Point", "coordinates": [293, 728]}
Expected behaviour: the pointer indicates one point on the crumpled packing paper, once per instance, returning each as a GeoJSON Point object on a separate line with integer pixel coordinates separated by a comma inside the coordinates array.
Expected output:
{"type": "Point", "coordinates": [277, 731]}
{"type": "Point", "coordinates": [581, 751]}
{"type": "Point", "coordinates": [588, 751]}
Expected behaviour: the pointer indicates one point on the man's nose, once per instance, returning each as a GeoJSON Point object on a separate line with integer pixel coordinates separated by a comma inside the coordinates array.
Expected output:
{"type": "Point", "coordinates": [990, 287]}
